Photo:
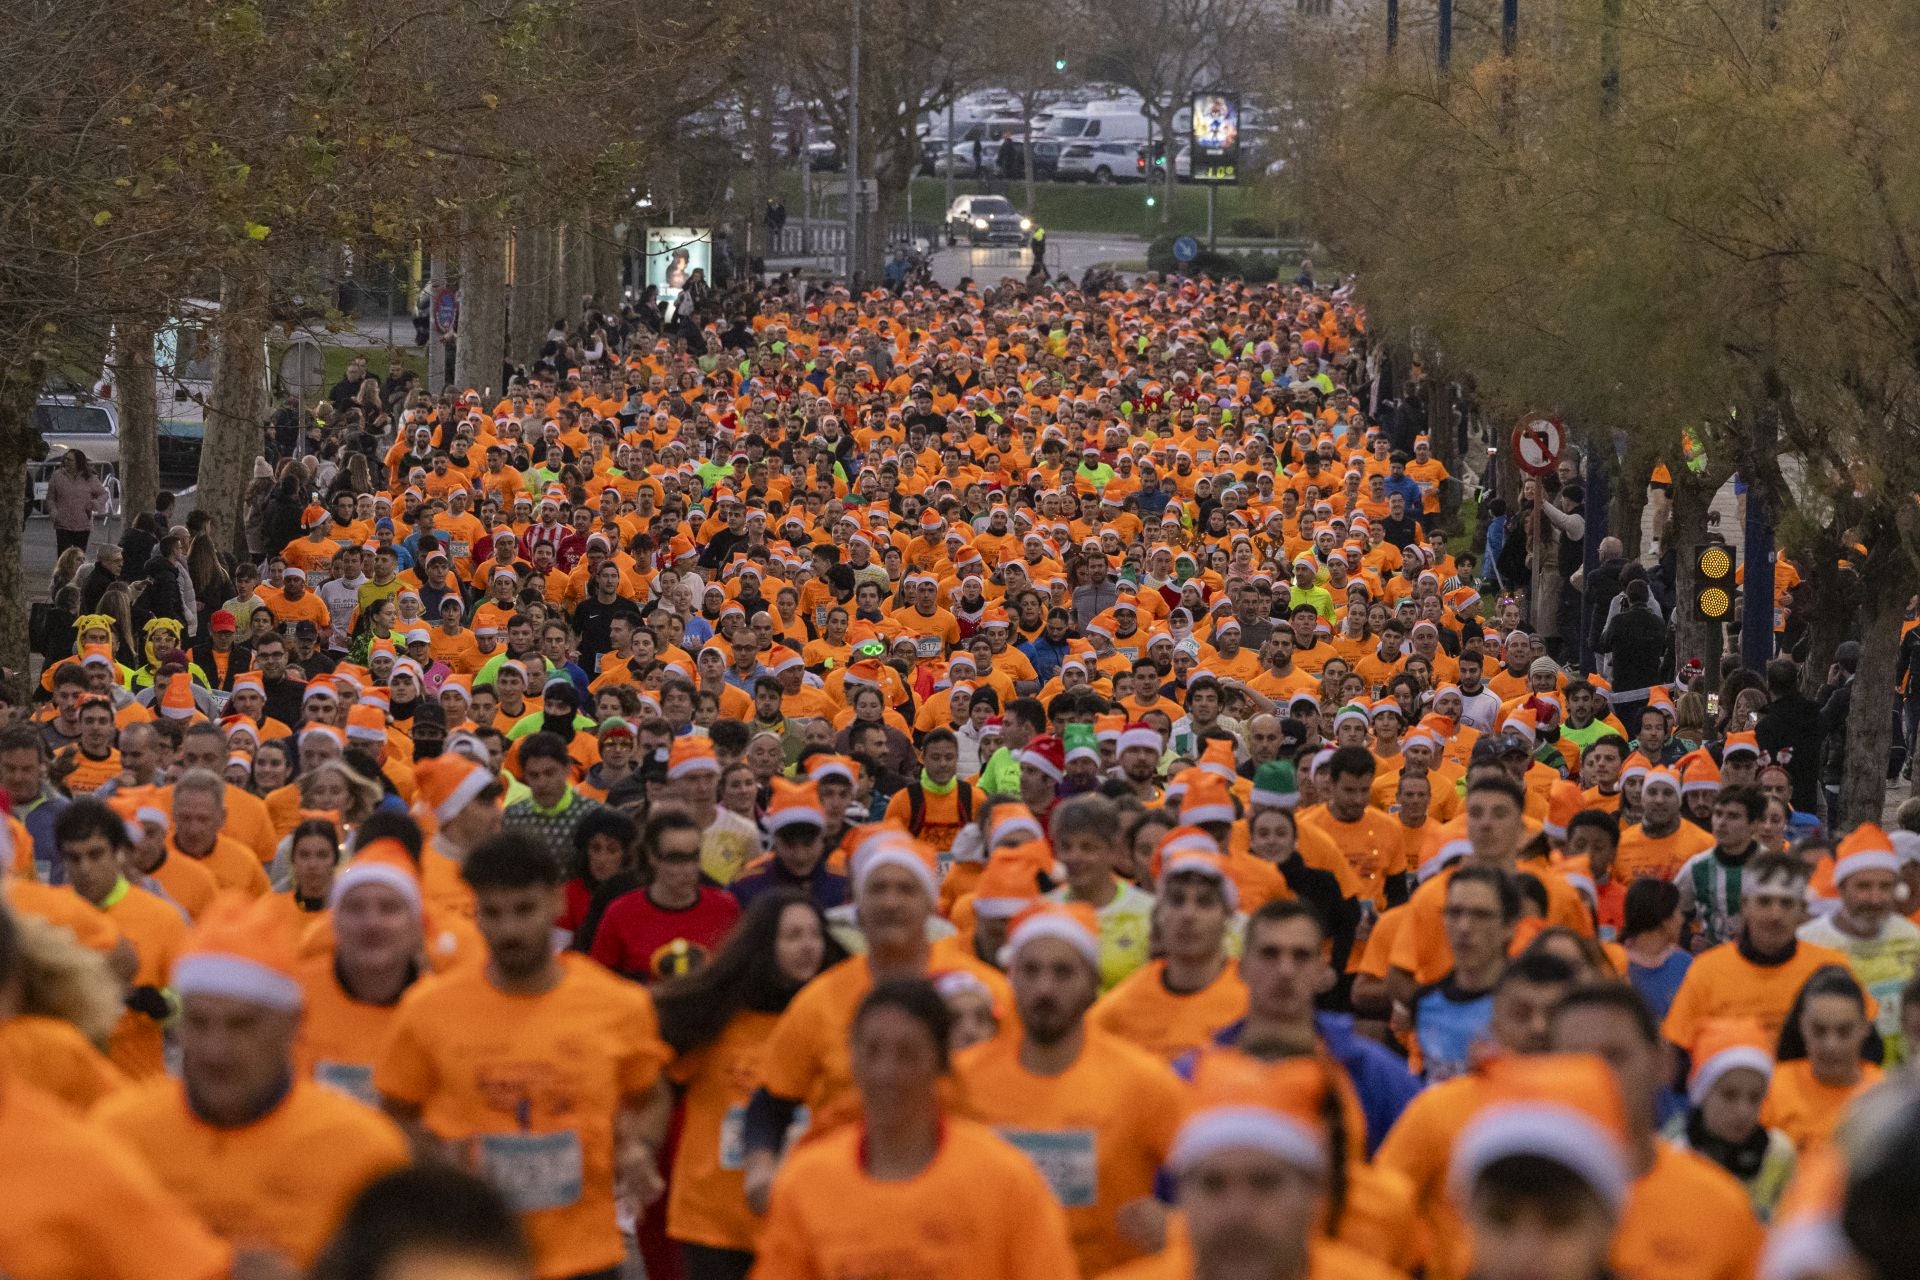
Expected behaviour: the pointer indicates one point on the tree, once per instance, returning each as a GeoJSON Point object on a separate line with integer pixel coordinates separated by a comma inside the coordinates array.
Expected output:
{"type": "Point", "coordinates": [1164, 50]}
{"type": "Point", "coordinates": [1675, 215]}
{"type": "Point", "coordinates": [913, 54]}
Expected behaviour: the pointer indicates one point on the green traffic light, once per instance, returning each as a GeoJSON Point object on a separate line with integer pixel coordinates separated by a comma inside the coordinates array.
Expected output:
{"type": "Point", "coordinates": [1152, 200]}
{"type": "Point", "coordinates": [1060, 63]}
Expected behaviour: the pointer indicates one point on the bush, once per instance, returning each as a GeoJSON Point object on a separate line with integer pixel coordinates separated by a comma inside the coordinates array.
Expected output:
{"type": "Point", "coordinates": [1254, 267]}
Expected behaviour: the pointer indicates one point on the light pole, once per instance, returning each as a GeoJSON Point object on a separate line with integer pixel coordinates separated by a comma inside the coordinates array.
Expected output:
{"type": "Point", "coordinates": [853, 147]}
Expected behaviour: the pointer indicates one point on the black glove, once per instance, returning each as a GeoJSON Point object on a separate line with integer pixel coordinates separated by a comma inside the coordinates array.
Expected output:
{"type": "Point", "coordinates": [151, 1001]}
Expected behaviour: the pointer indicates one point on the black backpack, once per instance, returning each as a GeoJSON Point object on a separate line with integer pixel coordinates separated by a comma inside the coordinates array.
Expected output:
{"type": "Point", "coordinates": [917, 806]}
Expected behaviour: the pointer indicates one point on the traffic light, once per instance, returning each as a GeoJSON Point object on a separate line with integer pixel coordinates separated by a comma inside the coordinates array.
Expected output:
{"type": "Point", "coordinates": [1152, 200]}
{"type": "Point", "coordinates": [1060, 60]}
{"type": "Point", "coordinates": [1713, 582]}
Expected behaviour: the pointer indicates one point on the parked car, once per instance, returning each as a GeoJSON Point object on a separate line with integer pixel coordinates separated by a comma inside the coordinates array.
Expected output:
{"type": "Point", "coordinates": [68, 421]}
{"type": "Point", "coordinates": [1100, 162]}
{"type": "Point", "coordinates": [986, 220]}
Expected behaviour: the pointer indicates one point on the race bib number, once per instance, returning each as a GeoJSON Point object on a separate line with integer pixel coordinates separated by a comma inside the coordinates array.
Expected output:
{"type": "Point", "coordinates": [461, 550]}
{"type": "Point", "coordinates": [350, 1078]}
{"type": "Point", "coordinates": [534, 1171]}
{"type": "Point", "coordinates": [820, 618]}
{"type": "Point", "coordinates": [1065, 1158]}
{"type": "Point", "coordinates": [733, 1135]}
{"type": "Point", "coordinates": [927, 646]}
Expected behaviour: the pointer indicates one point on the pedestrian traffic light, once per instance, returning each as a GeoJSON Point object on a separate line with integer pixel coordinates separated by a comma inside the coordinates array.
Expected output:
{"type": "Point", "coordinates": [1152, 200]}
{"type": "Point", "coordinates": [1713, 582]}
{"type": "Point", "coordinates": [1060, 60]}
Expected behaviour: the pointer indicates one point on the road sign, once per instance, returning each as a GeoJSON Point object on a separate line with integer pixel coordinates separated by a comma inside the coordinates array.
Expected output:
{"type": "Point", "coordinates": [1186, 249]}
{"type": "Point", "coordinates": [446, 309]}
{"type": "Point", "coordinates": [303, 368]}
{"type": "Point", "coordinates": [1538, 443]}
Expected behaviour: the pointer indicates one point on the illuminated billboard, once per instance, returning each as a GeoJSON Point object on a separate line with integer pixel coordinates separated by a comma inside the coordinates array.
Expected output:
{"type": "Point", "coordinates": [1215, 138]}
{"type": "Point", "coordinates": [673, 255]}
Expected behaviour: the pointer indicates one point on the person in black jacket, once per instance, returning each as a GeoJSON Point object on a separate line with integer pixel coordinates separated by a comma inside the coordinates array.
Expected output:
{"type": "Point", "coordinates": [107, 566]}
{"type": "Point", "coordinates": [1790, 733]}
{"type": "Point", "coordinates": [162, 597]}
{"type": "Point", "coordinates": [1637, 639]}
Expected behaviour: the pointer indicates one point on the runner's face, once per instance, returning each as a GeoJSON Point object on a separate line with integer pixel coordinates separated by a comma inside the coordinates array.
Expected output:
{"type": "Point", "coordinates": [1249, 1213]}
{"type": "Point", "coordinates": [376, 925]}
{"type": "Point", "coordinates": [517, 926]}
{"type": "Point", "coordinates": [1053, 986]}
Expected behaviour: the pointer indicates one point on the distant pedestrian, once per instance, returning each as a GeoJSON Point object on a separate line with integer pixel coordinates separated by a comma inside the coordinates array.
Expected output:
{"type": "Point", "coordinates": [74, 495]}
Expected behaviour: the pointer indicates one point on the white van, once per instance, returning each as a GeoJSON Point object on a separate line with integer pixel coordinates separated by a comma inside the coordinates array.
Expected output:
{"type": "Point", "coordinates": [183, 362]}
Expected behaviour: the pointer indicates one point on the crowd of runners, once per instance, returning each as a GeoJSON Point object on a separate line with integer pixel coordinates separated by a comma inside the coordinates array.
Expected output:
{"type": "Point", "coordinates": [1011, 782]}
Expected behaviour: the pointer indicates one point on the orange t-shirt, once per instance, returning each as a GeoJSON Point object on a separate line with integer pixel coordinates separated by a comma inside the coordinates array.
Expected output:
{"type": "Point", "coordinates": [80, 1206]}
{"type": "Point", "coordinates": [53, 1055]}
{"type": "Point", "coordinates": [158, 932]}
{"type": "Point", "coordinates": [1097, 1131]}
{"type": "Point", "coordinates": [1373, 845]}
{"type": "Point", "coordinates": [234, 868]}
{"type": "Point", "coordinates": [706, 1203]}
{"type": "Point", "coordinates": [1660, 1235]}
{"type": "Point", "coordinates": [807, 1056]}
{"type": "Point", "coordinates": [285, 1181]}
{"type": "Point", "coordinates": [339, 1036]}
{"type": "Point", "coordinates": [91, 927]}
{"type": "Point", "coordinates": [1722, 983]}
{"type": "Point", "coordinates": [1419, 1147]}
{"type": "Point", "coordinates": [1145, 1012]}
{"type": "Point", "coordinates": [1326, 1260]}
{"type": "Point", "coordinates": [978, 1211]}
{"type": "Point", "coordinates": [1643, 855]}
{"type": "Point", "coordinates": [535, 1083]}
{"type": "Point", "coordinates": [1805, 1109]}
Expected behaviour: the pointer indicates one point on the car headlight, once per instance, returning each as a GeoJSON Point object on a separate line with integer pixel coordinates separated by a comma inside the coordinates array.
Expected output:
{"type": "Point", "coordinates": [1026, 224]}
{"type": "Point", "coordinates": [979, 224]}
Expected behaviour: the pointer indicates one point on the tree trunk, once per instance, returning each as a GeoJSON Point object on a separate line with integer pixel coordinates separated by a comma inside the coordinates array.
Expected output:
{"type": "Point", "coordinates": [1441, 432]}
{"type": "Point", "coordinates": [1833, 603]}
{"type": "Point", "coordinates": [1027, 149]}
{"type": "Point", "coordinates": [1692, 497]}
{"type": "Point", "coordinates": [532, 293]}
{"type": "Point", "coordinates": [482, 348]}
{"type": "Point", "coordinates": [1630, 510]}
{"type": "Point", "coordinates": [17, 431]}
{"type": "Point", "coordinates": [236, 409]}
{"type": "Point", "coordinates": [575, 278]}
{"type": "Point", "coordinates": [1863, 784]}
{"type": "Point", "coordinates": [139, 417]}
{"type": "Point", "coordinates": [1166, 133]}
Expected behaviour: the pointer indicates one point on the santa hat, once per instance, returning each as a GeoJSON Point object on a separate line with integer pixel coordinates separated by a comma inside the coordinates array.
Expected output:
{"type": "Point", "coordinates": [822, 767]}
{"type": "Point", "coordinates": [1866, 848]}
{"type": "Point", "coordinates": [1182, 856]}
{"type": "Point", "coordinates": [382, 862]}
{"type": "Point", "coordinates": [691, 755]}
{"type": "Point", "coordinates": [366, 723]}
{"type": "Point", "coordinates": [794, 804]}
{"type": "Point", "coordinates": [447, 784]}
{"type": "Point", "coordinates": [1634, 766]}
{"type": "Point", "coordinates": [243, 950]}
{"type": "Point", "coordinates": [1352, 713]}
{"type": "Point", "coordinates": [1241, 1104]}
{"type": "Point", "coordinates": [176, 700]}
{"type": "Point", "coordinates": [1699, 774]}
{"type": "Point", "coordinates": [1563, 801]}
{"type": "Point", "coordinates": [1207, 799]}
{"type": "Point", "coordinates": [779, 658]}
{"type": "Point", "coordinates": [1560, 1107]}
{"type": "Point", "coordinates": [1740, 744]}
{"type": "Point", "coordinates": [1218, 759]}
{"type": "Point", "coordinates": [1723, 1045]}
{"type": "Point", "coordinates": [893, 847]}
{"type": "Point", "coordinates": [1275, 786]}
{"type": "Point", "coordinates": [1523, 721]}
{"type": "Point", "coordinates": [1073, 923]}
{"type": "Point", "coordinates": [1662, 777]}
{"type": "Point", "coordinates": [1009, 884]}
{"type": "Point", "coordinates": [1137, 734]}
{"type": "Point", "coordinates": [1109, 727]}
{"type": "Point", "coordinates": [1011, 822]}
{"type": "Point", "coordinates": [1047, 754]}
{"type": "Point", "coordinates": [1436, 855]}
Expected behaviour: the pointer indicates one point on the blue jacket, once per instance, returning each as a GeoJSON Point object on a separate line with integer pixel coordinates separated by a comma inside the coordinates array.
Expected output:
{"type": "Point", "coordinates": [1379, 1076]}
{"type": "Point", "coordinates": [1045, 655]}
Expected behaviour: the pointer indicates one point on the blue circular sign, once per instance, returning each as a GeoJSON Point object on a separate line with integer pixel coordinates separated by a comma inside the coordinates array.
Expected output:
{"type": "Point", "coordinates": [1186, 249]}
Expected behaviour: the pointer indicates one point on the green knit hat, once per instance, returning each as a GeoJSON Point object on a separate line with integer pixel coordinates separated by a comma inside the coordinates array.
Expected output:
{"type": "Point", "coordinates": [1274, 786]}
